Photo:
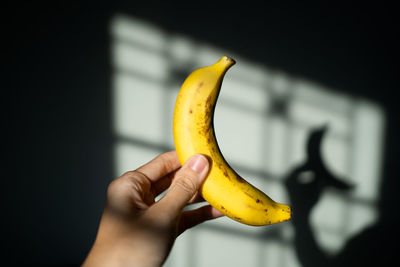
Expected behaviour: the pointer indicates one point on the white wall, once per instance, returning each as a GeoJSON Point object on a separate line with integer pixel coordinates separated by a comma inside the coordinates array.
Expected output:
{"type": "Point", "coordinates": [263, 145]}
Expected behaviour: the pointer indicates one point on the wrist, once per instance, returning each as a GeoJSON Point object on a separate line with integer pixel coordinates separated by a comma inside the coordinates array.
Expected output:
{"type": "Point", "coordinates": [122, 253]}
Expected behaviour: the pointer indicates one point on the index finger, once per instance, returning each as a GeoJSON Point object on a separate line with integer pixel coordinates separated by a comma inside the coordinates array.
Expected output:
{"type": "Point", "coordinates": [160, 166]}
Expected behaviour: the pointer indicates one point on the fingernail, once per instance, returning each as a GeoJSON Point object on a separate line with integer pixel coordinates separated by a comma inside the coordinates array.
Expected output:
{"type": "Point", "coordinates": [197, 163]}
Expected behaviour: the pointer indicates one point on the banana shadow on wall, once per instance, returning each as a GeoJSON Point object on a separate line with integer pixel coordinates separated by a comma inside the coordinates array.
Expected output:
{"type": "Point", "coordinates": [372, 247]}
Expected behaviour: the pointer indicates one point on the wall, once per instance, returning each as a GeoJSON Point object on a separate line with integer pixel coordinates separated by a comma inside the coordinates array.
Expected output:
{"type": "Point", "coordinates": [59, 109]}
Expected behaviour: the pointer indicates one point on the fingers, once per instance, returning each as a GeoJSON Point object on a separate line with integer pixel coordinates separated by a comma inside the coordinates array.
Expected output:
{"type": "Point", "coordinates": [196, 198]}
{"type": "Point", "coordinates": [160, 166]}
{"type": "Point", "coordinates": [162, 184]}
{"type": "Point", "coordinates": [194, 217]}
{"type": "Point", "coordinates": [185, 185]}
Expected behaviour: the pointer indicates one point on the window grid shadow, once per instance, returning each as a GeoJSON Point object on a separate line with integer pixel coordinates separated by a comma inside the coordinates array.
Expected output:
{"type": "Point", "coordinates": [289, 123]}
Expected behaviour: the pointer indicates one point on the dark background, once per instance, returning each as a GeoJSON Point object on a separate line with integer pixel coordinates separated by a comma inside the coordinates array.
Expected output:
{"type": "Point", "coordinates": [56, 93]}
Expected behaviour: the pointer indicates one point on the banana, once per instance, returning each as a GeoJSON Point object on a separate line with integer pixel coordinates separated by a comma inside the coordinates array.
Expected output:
{"type": "Point", "coordinates": [193, 133]}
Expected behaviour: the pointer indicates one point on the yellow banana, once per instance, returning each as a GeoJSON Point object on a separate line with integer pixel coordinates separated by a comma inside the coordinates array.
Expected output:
{"type": "Point", "coordinates": [194, 133]}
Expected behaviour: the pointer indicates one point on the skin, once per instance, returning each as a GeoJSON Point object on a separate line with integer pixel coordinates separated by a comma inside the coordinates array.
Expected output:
{"type": "Point", "coordinates": [135, 230]}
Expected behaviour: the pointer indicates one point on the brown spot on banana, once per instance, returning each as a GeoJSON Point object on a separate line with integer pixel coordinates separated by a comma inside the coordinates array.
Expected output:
{"type": "Point", "coordinates": [223, 169]}
{"type": "Point", "coordinates": [200, 85]}
{"type": "Point", "coordinates": [205, 129]}
{"type": "Point", "coordinates": [252, 197]}
{"type": "Point", "coordinates": [208, 101]}
{"type": "Point", "coordinates": [219, 165]}
{"type": "Point", "coordinates": [208, 109]}
{"type": "Point", "coordinates": [208, 113]}
{"type": "Point", "coordinates": [240, 179]}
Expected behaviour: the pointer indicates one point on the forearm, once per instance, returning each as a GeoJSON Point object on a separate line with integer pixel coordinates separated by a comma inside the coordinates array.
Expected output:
{"type": "Point", "coordinates": [100, 256]}
{"type": "Point", "coordinates": [118, 255]}
{"type": "Point", "coordinates": [116, 247]}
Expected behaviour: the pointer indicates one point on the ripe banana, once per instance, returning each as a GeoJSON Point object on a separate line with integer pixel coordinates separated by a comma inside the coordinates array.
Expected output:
{"type": "Point", "coordinates": [194, 133]}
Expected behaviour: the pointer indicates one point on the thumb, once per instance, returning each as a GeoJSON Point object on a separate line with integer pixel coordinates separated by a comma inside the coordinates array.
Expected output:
{"type": "Point", "coordinates": [185, 184]}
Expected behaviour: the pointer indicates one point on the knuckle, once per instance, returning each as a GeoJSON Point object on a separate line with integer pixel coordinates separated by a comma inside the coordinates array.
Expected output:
{"type": "Point", "coordinates": [128, 175]}
{"type": "Point", "coordinates": [187, 184]}
{"type": "Point", "coordinates": [122, 183]}
{"type": "Point", "coordinates": [133, 176]}
{"type": "Point", "coordinates": [165, 162]}
{"type": "Point", "coordinates": [117, 183]}
{"type": "Point", "coordinates": [113, 187]}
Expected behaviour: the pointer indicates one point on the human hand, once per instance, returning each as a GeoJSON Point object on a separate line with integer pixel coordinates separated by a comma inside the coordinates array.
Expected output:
{"type": "Point", "coordinates": [137, 231]}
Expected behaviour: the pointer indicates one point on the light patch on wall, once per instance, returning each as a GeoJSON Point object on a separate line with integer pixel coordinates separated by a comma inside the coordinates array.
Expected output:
{"type": "Point", "coordinates": [262, 121]}
{"type": "Point", "coordinates": [132, 102]}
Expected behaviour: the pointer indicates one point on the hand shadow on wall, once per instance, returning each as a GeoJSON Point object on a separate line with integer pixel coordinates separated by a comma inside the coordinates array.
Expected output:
{"type": "Point", "coordinates": [305, 185]}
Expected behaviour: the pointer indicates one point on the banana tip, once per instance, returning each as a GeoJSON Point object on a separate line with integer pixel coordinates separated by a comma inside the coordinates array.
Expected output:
{"type": "Point", "coordinates": [226, 61]}
{"type": "Point", "coordinates": [229, 60]}
{"type": "Point", "coordinates": [287, 212]}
